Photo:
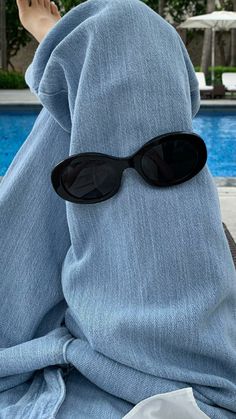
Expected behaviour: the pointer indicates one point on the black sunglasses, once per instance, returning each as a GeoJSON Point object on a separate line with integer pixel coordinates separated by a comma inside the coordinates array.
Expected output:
{"type": "Point", "coordinates": [166, 160]}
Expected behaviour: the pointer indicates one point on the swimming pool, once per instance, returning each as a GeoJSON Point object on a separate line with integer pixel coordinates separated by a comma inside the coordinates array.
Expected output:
{"type": "Point", "coordinates": [217, 126]}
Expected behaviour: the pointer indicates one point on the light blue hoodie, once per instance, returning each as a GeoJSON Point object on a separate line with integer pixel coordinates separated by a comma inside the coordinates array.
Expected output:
{"type": "Point", "coordinates": [136, 293]}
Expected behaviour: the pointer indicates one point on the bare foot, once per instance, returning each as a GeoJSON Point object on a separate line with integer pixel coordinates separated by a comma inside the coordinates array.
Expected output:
{"type": "Point", "coordinates": [38, 17]}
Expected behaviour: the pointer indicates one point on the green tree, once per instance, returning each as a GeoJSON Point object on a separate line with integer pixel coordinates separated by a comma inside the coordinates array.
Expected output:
{"type": "Point", "coordinates": [65, 5]}
{"type": "Point", "coordinates": [180, 9]}
{"type": "Point", "coordinates": [16, 35]}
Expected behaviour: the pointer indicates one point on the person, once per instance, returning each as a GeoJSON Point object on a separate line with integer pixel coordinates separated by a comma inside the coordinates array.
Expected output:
{"type": "Point", "coordinates": [118, 288]}
{"type": "Point", "coordinates": [38, 16]}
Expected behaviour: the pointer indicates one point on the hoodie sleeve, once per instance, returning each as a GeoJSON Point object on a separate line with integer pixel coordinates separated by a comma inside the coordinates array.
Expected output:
{"type": "Point", "coordinates": [34, 241]}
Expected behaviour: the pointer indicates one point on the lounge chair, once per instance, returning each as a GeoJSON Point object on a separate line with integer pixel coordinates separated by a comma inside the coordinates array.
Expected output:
{"type": "Point", "coordinates": [229, 81]}
{"type": "Point", "coordinates": [231, 242]}
{"type": "Point", "coordinates": [203, 87]}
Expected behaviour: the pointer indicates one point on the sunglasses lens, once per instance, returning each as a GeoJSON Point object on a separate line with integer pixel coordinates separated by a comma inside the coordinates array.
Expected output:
{"type": "Point", "coordinates": [170, 161]}
{"type": "Point", "coordinates": [88, 178]}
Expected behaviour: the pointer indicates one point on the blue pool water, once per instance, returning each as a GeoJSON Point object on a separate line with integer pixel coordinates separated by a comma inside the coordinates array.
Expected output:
{"type": "Point", "coordinates": [15, 126]}
{"type": "Point", "coordinates": [216, 127]}
{"type": "Point", "coordinates": [218, 130]}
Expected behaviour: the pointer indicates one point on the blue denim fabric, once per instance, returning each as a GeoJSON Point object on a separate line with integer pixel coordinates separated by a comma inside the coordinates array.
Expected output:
{"type": "Point", "coordinates": [136, 293]}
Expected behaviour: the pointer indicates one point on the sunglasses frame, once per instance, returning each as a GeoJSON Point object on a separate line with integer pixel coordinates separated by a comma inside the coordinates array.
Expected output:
{"type": "Point", "coordinates": [132, 161]}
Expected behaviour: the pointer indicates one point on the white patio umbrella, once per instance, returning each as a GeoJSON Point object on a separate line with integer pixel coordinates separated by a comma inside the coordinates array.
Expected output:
{"type": "Point", "coordinates": [217, 21]}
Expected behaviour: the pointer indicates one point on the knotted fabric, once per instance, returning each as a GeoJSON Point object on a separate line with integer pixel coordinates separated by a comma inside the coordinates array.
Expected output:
{"type": "Point", "coordinates": [138, 292]}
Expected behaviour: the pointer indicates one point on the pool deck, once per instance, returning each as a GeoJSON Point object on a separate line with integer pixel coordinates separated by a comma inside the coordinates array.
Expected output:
{"type": "Point", "coordinates": [26, 97]}
{"type": "Point", "coordinates": [226, 186]}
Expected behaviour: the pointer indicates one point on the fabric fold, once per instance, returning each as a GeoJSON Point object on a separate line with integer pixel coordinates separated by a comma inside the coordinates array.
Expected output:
{"type": "Point", "coordinates": [39, 397]}
{"type": "Point", "coordinates": [32, 247]}
{"type": "Point", "coordinates": [35, 354]}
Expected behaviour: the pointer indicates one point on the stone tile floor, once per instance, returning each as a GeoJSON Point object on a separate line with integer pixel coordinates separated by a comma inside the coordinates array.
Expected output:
{"type": "Point", "coordinates": [25, 96]}
{"type": "Point", "coordinates": [227, 196]}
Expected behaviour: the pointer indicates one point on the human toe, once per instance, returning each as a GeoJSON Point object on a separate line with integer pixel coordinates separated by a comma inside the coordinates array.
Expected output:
{"type": "Point", "coordinates": [54, 9]}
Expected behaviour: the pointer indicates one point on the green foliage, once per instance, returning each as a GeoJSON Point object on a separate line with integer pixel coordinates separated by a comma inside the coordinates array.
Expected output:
{"type": "Point", "coordinates": [154, 4]}
{"type": "Point", "coordinates": [180, 9]}
{"type": "Point", "coordinates": [12, 80]}
{"type": "Point", "coordinates": [16, 35]}
{"type": "Point", "coordinates": [221, 69]}
{"type": "Point", "coordinates": [65, 6]}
